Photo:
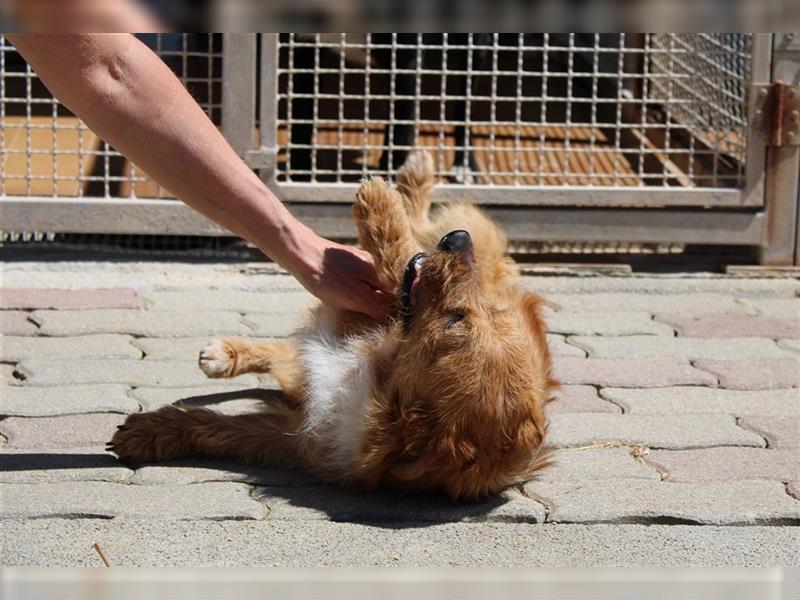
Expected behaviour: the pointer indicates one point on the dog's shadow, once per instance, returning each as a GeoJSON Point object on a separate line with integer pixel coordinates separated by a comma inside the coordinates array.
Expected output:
{"type": "Point", "coordinates": [289, 495]}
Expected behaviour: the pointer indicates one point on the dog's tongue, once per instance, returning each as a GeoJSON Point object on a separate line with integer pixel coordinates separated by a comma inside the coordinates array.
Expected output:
{"type": "Point", "coordinates": [412, 293]}
{"type": "Point", "coordinates": [411, 283]}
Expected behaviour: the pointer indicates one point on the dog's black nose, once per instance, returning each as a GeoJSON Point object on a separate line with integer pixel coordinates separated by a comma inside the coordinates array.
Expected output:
{"type": "Point", "coordinates": [456, 241]}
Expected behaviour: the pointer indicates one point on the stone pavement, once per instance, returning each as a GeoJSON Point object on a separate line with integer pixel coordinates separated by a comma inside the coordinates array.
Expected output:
{"type": "Point", "coordinates": [677, 430]}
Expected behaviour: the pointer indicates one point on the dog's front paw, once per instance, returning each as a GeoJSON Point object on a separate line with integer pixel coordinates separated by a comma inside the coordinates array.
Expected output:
{"type": "Point", "coordinates": [216, 360]}
{"type": "Point", "coordinates": [148, 437]}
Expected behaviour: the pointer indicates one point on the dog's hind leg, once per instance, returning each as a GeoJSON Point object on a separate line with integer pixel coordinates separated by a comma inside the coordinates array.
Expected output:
{"type": "Point", "coordinates": [229, 357]}
{"type": "Point", "coordinates": [384, 229]}
{"type": "Point", "coordinates": [264, 439]}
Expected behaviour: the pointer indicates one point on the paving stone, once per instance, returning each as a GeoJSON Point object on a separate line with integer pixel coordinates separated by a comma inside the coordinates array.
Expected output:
{"type": "Point", "coordinates": [7, 377]}
{"type": "Point", "coordinates": [595, 463]}
{"type": "Point", "coordinates": [16, 348]}
{"type": "Point", "coordinates": [317, 544]}
{"type": "Point", "coordinates": [131, 372]}
{"type": "Point", "coordinates": [13, 322]}
{"type": "Point", "coordinates": [101, 499]}
{"type": "Point", "coordinates": [224, 397]}
{"type": "Point", "coordinates": [30, 401]}
{"type": "Point", "coordinates": [61, 464]}
{"type": "Point", "coordinates": [686, 303]}
{"type": "Point", "coordinates": [579, 399]}
{"type": "Point", "coordinates": [31, 298]}
{"type": "Point", "coordinates": [559, 347]}
{"type": "Point", "coordinates": [203, 470]}
{"type": "Point", "coordinates": [655, 431]}
{"type": "Point", "coordinates": [636, 500]}
{"type": "Point", "coordinates": [793, 488]}
{"type": "Point", "coordinates": [272, 325]}
{"type": "Point", "coordinates": [671, 286]}
{"type": "Point", "coordinates": [329, 503]}
{"type": "Point", "coordinates": [778, 308]}
{"type": "Point", "coordinates": [731, 326]}
{"type": "Point", "coordinates": [144, 323]}
{"type": "Point", "coordinates": [178, 348]}
{"type": "Point", "coordinates": [694, 399]}
{"type": "Point", "coordinates": [753, 374]}
{"type": "Point", "coordinates": [781, 432]}
{"type": "Point", "coordinates": [726, 464]}
{"type": "Point", "coordinates": [629, 372]}
{"type": "Point", "coordinates": [606, 323]}
{"type": "Point", "coordinates": [644, 346]}
{"type": "Point", "coordinates": [285, 302]}
{"type": "Point", "coordinates": [792, 345]}
{"type": "Point", "coordinates": [60, 432]}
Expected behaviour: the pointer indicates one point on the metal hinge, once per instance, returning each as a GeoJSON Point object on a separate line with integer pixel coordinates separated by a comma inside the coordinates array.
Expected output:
{"type": "Point", "coordinates": [776, 113]}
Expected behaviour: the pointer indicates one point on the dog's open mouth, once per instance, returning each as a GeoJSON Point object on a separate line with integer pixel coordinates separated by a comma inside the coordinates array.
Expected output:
{"type": "Point", "coordinates": [410, 284]}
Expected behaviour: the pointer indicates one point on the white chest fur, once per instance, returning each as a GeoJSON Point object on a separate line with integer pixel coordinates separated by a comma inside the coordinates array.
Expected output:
{"type": "Point", "coordinates": [340, 380]}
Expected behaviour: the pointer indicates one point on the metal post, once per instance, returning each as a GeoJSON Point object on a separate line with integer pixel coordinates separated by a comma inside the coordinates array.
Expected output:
{"type": "Point", "coordinates": [239, 90]}
{"type": "Point", "coordinates": [783, 168]}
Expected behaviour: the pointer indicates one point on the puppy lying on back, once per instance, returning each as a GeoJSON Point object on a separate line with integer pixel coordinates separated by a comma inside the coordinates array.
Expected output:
{"type": "Point", "coordinates": [446, 395]}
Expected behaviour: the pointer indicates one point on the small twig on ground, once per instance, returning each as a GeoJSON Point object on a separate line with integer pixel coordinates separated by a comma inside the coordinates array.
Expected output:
{"type": "Point", "coordinates": [638, 451]}
{"type": "Point", "coordinates": [101, 554]}
{"type": "Point", "coordinates": [606, 444]}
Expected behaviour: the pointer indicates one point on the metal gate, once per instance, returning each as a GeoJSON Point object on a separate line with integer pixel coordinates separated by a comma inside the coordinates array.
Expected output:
{"type": "Point", "coordinates": [563, 137]}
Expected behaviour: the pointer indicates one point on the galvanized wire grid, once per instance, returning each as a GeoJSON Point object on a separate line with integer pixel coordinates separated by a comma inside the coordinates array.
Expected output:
{"type": "Point", "coordinates": [651, 110]}
{"type": "Point", "coordinates": [46, 151]}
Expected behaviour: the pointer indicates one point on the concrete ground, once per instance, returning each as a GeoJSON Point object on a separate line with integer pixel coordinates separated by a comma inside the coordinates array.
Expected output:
{"type": "Point", "coordinates": [677, 431]}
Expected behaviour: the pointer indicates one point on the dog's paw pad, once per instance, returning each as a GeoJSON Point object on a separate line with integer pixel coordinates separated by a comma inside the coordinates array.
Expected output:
{"type": "Point", "coordinates": [215, 361]}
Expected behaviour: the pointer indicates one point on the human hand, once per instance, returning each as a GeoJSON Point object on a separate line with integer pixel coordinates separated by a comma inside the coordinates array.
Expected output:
{"type": "Point", "coordinates": [339, 275]}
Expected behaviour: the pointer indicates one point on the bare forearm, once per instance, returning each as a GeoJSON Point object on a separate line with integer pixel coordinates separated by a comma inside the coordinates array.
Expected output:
{"type": "Point", "coordinates": [131, 99]}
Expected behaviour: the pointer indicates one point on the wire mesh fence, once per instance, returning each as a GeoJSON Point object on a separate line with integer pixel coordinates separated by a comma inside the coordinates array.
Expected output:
{"type": "Point", "coordinates": [46, 151]}
{"type": "Point", "coordinates": [648, 110]}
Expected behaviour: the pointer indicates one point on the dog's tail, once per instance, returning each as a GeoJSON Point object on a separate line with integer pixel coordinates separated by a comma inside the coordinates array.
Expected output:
{"type": "Point", "coordinates": [415, 181]}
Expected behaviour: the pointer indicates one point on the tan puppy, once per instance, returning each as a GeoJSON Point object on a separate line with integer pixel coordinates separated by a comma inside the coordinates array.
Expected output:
{"type": "Point", "coordinates": [448, 394]}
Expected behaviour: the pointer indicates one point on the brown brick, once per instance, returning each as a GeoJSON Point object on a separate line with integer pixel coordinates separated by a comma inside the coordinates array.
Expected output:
{"type": "Point", "coordinates": [13, 322]}
{"type": "Point", "coordinates": [70, 299]}
{"type": "Point", "coordinates": [780, 432]}
{"type": "Point", "coordinates": [629, 372]}
{"type": "Point", "coordinates": [764, 374]}
{"type": "Point", "coordinates": [726, 464]}
{"type": "Point", "coordinates": [731, 326]}
{"type": "Point", "coordinates": [60, 432]}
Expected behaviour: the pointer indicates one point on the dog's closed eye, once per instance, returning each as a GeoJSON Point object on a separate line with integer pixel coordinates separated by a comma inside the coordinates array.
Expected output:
{"type": "Point", "coordinates": [454, 318]}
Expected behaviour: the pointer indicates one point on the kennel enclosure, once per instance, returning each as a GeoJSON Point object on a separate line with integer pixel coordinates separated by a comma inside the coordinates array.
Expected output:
{"type": "Point", "coordinates": [653, 138]}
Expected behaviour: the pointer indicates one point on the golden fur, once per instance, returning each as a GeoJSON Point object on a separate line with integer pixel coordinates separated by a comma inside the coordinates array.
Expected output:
{"type": "Point", "coordinates": [454, 396]}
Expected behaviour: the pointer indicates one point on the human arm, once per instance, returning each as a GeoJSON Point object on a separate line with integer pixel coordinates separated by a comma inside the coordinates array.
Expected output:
{"type": "Point", "coordinates": [128, 97]}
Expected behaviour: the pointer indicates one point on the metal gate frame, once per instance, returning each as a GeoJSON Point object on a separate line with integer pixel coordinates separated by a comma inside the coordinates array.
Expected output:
{"type": "Point", "coordinates": [764, 213]}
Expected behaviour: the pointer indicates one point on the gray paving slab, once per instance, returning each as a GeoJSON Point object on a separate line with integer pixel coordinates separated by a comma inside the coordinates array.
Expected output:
{"type": "Point", "coordinates": [634, 372]}
{"type": "Point", "coordinates": [644, 346]}
{"type": "Point", "coordinates": [606, 323]}
{"type": "Point", "coordinates": [559, 347]}
{"type": "Point", "coordinates": [687, 303]}
{"type": "Point", "coordinates": [328, 503]}
{"type": "Point", "coordinates": [204, 470]}
{"type": "Point", "coordinates": [16, 348]}
{"type": "Point", "coordinates": [210, 396]}
{"type": "Point", "coordinates": [780, 431]}
{"type": "Point", "coordinates": [68, 542]}
{"type": "Point", "coordinates": [730, 326]}
{"type": "Point", "coordinates": [696, 399]}
{"type": "Point", "coordinates": [148, 323]}
{"type": "Point", "coordinates": [793, 345]}
{"type": "Point", "coordinates": [778, 308]}
{"type": "Point", "coordinates": [29, 298]}
{"type": "Point", "coordinates": [655, 431]}
{"type": "Point", "coordinates": [8, 377]}
{"type": "Point", "coordinates": [279, 302]}
{"type": "Point", "coordinates": [274, 325]}
{"type": "Point", "coordinates": [587, 464]}
{"type": "Point", "coordinates": [60, 432]}
{"type": "Point", "coordinates": [95, 499]}
{"type": "Point", "coordinates": [17, 322]}
{"type": "Point", "coordinates": [755, 374]}
{"type": "Point", "coordinates": [579, 398]}
{"type": "Point", "coordinates": [726, 464]}
{"type": "Point", "coordinates": [637, 500]}
{"type": "Point", "coordinates": [130, 372]}
{"type": "Point", "coordinates": [51, 465]}
{"type": "Point", "coordinates": [29, 401]}
{"type": "Point", "coordinates": [181, 349]}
